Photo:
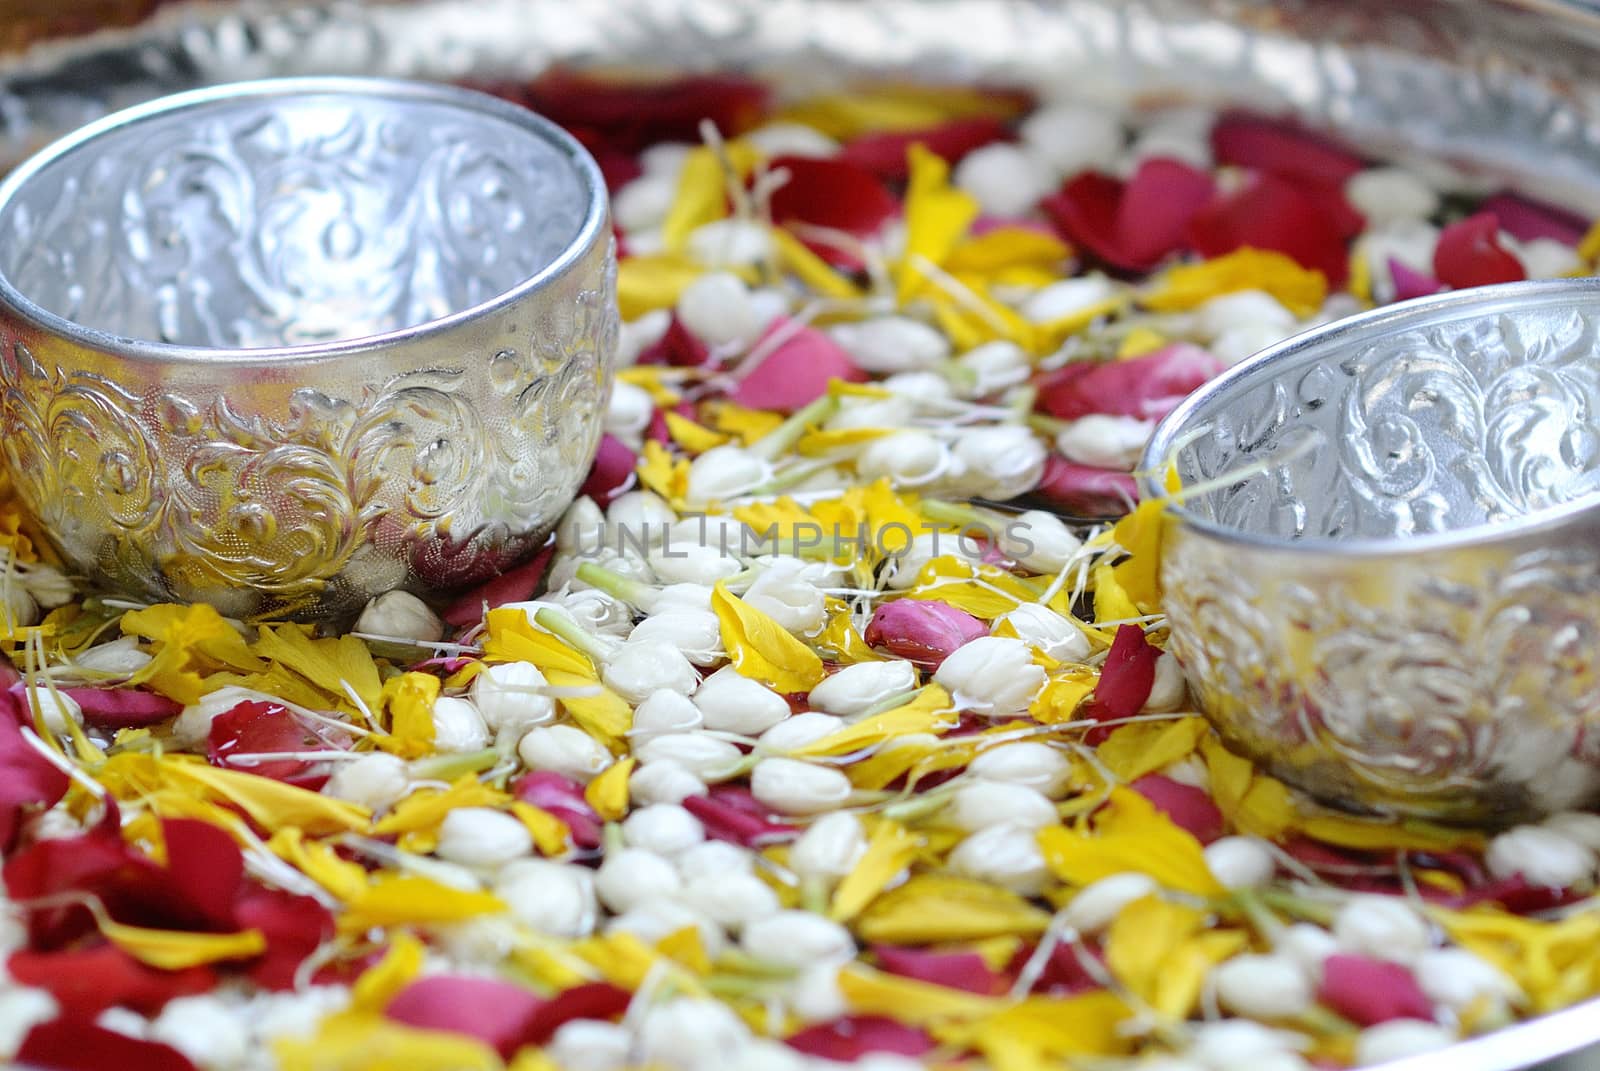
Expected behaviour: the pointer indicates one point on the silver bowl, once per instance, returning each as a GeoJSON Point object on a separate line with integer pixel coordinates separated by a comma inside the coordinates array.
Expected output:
{"type": "Point", "coordinates": [284, 345]}
{"type": "Point", "coordinates": [1385, 584]}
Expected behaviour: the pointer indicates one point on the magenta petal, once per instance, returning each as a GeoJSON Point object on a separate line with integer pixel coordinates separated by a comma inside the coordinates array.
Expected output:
{"type": "Point", "coordinates": [797, 372]}
{"type": "Point", "coordinates": [1084, 491]}
{"type": "Point", "coordinates": [732, 814]}
{"type": "Point", "coordinates": [514, 585]}
{"type": "Point", "coordinates": [1526, 219]}
{"type": "Point", "coordinates": [1283, 147]}
{"type": "Point", "coordinates": [924, 631]}
{"type": "Point", "coordinates": [1187, 806]}
{"type": "Point", "coordinates": [122, 708]}
{"type": "Point", "coordinates": [562, 797]}
{"type": "Point", "coordinates": [854, 1036]}
{"type": "Point", "coordinates": [1410, 283]}
{"type": "Point", "coordinates": [592, 1000]}
{"type": "Point", "coordinates": [496, 1013]}
{"type": "Point", "coordinates": [1370, 991]}
{"type": "Point", "coordinates": [613, 471]}
{"type": "Point", "coordinates": [955, 970]}
{"type": "Point", "coordinates": [1147, 387]}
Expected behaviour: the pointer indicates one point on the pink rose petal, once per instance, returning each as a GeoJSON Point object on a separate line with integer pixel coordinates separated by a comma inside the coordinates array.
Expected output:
{"type": "Point", "coordinates": [1410, 283]}
{"type": "Point", "coordinates": [955, 970]}
{"type": "Point", "coordinates": [562, 797]}
{"type": "Point", "coordinates": [1133, 226]}
{"type": "Point", "coordinates": [1147, 387]}
{"type": "Point", "coordinates": [797, 372]}
{"type": "Point", "coordinates": [1084, 491]}
{"type": "Point", "coordinates": [924, 631]}
{"type": "Point", "coordinates": [731, 813]}
{"type": "Point", "coordinates": [854, 1036]}
{"type": "Point", "coordinates": [1188, 807]}
{"type": "Point", "coordinates": [1469, 253]}
{"type": "Point", "coordinates": [1127, 675]}
{"type": "Point", "coordinates": [496, 1013]}
{"type": "Point", "coordinates": [1370, 991]}
{"type": "Point", "coordinates": [122, 708]}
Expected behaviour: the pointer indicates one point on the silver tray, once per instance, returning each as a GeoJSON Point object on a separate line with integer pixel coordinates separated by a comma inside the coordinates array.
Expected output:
{"type": "Point", "coordinates": [1507, 92]}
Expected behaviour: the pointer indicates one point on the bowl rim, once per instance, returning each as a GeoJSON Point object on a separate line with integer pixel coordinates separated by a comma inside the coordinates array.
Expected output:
{"type": "Point", "coordinates": [594, 227]}
{"type": "Point", "coordinates": [1352, 331]}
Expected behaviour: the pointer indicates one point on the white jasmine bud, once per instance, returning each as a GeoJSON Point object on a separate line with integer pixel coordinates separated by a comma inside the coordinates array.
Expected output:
{"type": "Point", "coordinates": [1263, 987]}
{"type": "Point", "coordinates": [210, 1032]}
{"type": "Point", "coordinates": [663, 712]}
{"type": "Point", "coordinates": [797, 939]}
{"type": "Point", "coordinates": [1385, 927]}
{"type": "Point", "coordinates": [695, 633]}
{"type": "Point", "coordinates": [681, 597]}
{"type": "Point", "coordinates": [1068, 297]}
{"type": "Point", "coordinates": [784, 592]}
{"type": "Point", "coordinates": [629, 412]}
{"type": "Point", "coordinates": [725, 472]}
{"type": "Point", "coordinates": [556, 898]}
{"type": "Point", "coordinates": [1040, 627]}
{"type": "Point", "coordinates": [583, 525]}
{"type": "Point", "coordinates": [732, 900]}
{"type": "Point", "coordinates": [857, 688]}
{"type": "Point", "coordinates": [1173, 142]}
{"type": "Point", "coordinates": [1024, 762]}
{"type": "Point", "coordinates": [566, 749]}
{"type": "Point", "coordinates": [666, 158]}
{"type": "Point", "coordinates": [1308, 946]}
{"type": "Point", "coordinates": [906, 459]}
{"type": "Point", "coordinates": [765, 1054]}
{"type": "Point", "coordinates": [1389, 195]}
{"type": "Point", "coordinates": [17, 608]}
{"type": "Point", "coordinates": [1168, 692]}
{"type": "Point", "coordinates": [980, 804]}
{"type": "Point", "coordinates": [732, 702]}
{"type": "Point", "coordinates": [829, 848]}
{"type": "Point", "coordinates": [458, 727]}
{"type": "Point", "coordinates": [872, 413]}
{"type": "Point", "coordinates": [644, 515]}
{"type": "Point", "coordinates": [790, 786]}
{"type": "Point", "coordinates": [891, 344]}
{"type": "Point", "coordinates": [729, 243]}
{"type": "Point", "coordinates": [919, 387]}
{"type": "Point", "coordinates": [705, 756]}
{"type": "Point", "coordinates": [798, 731]}
{"type": "Point", "coordinates": [1235, 1044]}
{"type": "Point", "coordinates": [693, 563]}
{"type": "Point", "coordinates": [1247, 340]}
{"type": "Point", "coordinates": [1241, 308]}
{"type": "Point", "coordinates": [1399, 1038]}
{"type": "Point", "coordinates": [1107, 442]}
{"type": "Point", "coordinates": [590, 1045]}
{"type": "Point", "coordinates": [690, 1033]}
{"type": "Point", "coordinates": [57, 709]}
{"type": "Point", "coordinates": [482, 836]}
{"type": "Point", "coordinates": [402, 615]}
{"type": "Point", "coordinates": [644, 203]}
{"type": "Point", "coordinates": [713, 858]}
{"type": "Point", "coordinates": [508, 696]}
{"type": "Point", "coordinates": [119, 658]}
{"type": "Point", "coordinates": [1007, 179]}
{"type": "Point", "coordinates": [1098, 904]}
{"type": "Point", "coordinates": [716, 308]}
{"type": "Point", "coordinates": [374, 781]}
{"type": "Point", "coordinates": [1458, 979]}
{"type": "Point", "coordinates": [1001, 461]}
{"type": "Point", "coordinates": [1583, 827]}
{"type": "Point", "coordinates": [994, 367]}
{"type": "Point", "coordinates": [663, 828]}
{"type": "Point", "coordinates": [1241, 862]}
{"type": "Point", "coordinates": [1006, 855]}
{"type": "Point", "coordinates": [633, 877]}
{"type": "Point", "coordinates": [1542, 258]}
{"type": "Point", "coordinates": [1074, 137]}
{"type": "Point", "coordinates": [1543, 856]}
{"type": "Point", "coordinates": [637, 669]}
{"type": "Point", "coordinates": [1038, 541]}
{"type": "Point", "coordinates": [663, 782]}
{"type": "Point", "coordinates": [992, 676]}
{"type": "Point", "coordinates": [636, 336]}
{"type": "Point", "coordinates": [815, 997]}
{"type": "Point", "coordinates": [48, 586]}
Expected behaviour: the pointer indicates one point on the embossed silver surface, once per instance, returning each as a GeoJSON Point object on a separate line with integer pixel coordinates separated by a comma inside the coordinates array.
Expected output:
{"type": "Point", "coordinates": [285, 345]}
{"type": "Point", "coordinates": [1508, 88]}
{"type": "Point", "coordinates": [1390, 593]}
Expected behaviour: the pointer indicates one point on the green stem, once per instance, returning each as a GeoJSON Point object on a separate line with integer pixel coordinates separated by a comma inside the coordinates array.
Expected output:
{"type": "Point", "coordinates": [891, 703]}
{"type": "Point", "coordinates": [1298, 906]}
{"type": "Point", "coordinates": [1247, 903]}
{"type": "Point", "coordinates": [814, 895]}
{"type": "Point", "coordinates": [955, 513]}
{"type": "Point", "coordinates": [778, 441]}
{"type": "Point", "coordinates": [634, 592]}
{"type": "Point", "coordinates": [450, 767]}
{"type": "Point", "coordinates": [562, 625]}
{"type": "Point", "coordinates": [1022, 402]}
{"type": "Point", "coordinates": [737, 961]}
{"type": "Point", "coordinates": [611, 838]}
{"type": "Point", "coordinates": [783, 481]}
{"type": "Point", "coordinates": [958, 375]}
{"type": "Point", "coordinates": [1049, 425]}
{"type": "Point", "coordinates": [918, 806]}
{"type": "Point", "coordinates": [1319, 1020]}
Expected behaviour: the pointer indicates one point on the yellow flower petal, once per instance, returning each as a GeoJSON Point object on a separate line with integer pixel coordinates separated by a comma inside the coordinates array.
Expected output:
{"type": "Point", "coordinates": [702, 195]}
{"type": "Point", "coordinates": [550, 834]}
{"type": "Point", "coordinates": [1043, 1032]}
{"type": "Point", "coordinates": [1059, 700]}
{"type": "Point", "coordinates": [937, 217]}
{"type": "Point", "coordinates": [608, 793]}
{"type": "Point", "coordinates": [190, 642]}
{"type": "Point", "coordinates": [1008, 247]}
{"type": "Point", "coordinates": [511, 637]}
{"type": "Point", "coordinates": [1111, 602]}
{"type": "Point", "coordinates": [655, 379]}
{"type": "Point", "coordinates": [604, 715]}
{"type": "Point", "coordinates": [931, 711]}
{"type": "Point", "coordinates": [426, 808]}
{"type": "Point", "coordinates": [889, 851]}
{"type": "Point", "coordinates": [761, 649]}
{"type": "Point", "coordinates": [365, 1042]}
{"type": "Point", "coordinates": [1140, 341]}
{"type": "Point", "coordinates": [870, 992]}
{"type": "Point", "coordinates": [408, 703]}
{"type": "Point", "coordinates": [1130, 834]}
{"type": "Point", "coordinates": [660, 472]}
{"type": "Point", "coordinates": [270, 804]}
{"type": "Point", "coordinates": [330, 664]}
{"type": "Point", "coordinates": [1049, 336]}
{"type": "Point", "coordinates": [1131, 751]}
{"type": "Point", "coordinates": [403, 899]}
{"type": "Point", "coordinates": [1160, 952]}
{"type": "Point", "coordinates": [817, 443]}
{"type": "Point", "coordinates": [1140, 534]}
{"type": "Point", "coordinates": [812, 271]}
{"type": "Point", "coordinates": [932, 907]}
{"type": "Point", "coordinates": [694, 438]}
{"type": "Point", "coordinates": [685, 947]}
{"type": "Point", "coordinates": [656, 281]}
{"type": "Point", "coordinates": [745, 423]}
{"type": "Point", "coordinates": [902, 108]}
{"type": "Point", "coordinates": [1186, 286]}
{"type": "Point", "coordinates": [383, 981]}
{"type": "Point", "coordinates": [320, 863]}
{"type": "Point", "coordinates": [174, 950]}
{"type": "Point", "coordinates": [1252, 802]}
{"type": "Point", "coordinates": [840, 639]}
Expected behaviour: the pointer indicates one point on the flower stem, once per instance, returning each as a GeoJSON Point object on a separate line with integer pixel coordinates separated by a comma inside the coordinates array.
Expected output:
{"type": "Point", "coordinates": [450, 767]}
{"type": "Point", "coordinates": [777, 441]}
{"type": "Point", "coordinates": [562, 625]}
{"type": "Point", "coordinates": [634, 592]}
{"type": "Point", "coordinates": [1049, 425]}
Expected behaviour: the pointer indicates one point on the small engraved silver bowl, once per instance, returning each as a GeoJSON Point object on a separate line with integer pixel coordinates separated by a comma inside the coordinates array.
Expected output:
{"type": "Point", "coordinates": [1384, 584]}
{"type": "Point", "coordinates": [284, 345]}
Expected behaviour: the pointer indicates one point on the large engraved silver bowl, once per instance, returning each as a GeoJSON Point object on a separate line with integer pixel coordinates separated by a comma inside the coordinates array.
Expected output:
{"type": "Point", "coordinates": [284, 345]}
{"type": "Point", "coordinates": [1385, 585]}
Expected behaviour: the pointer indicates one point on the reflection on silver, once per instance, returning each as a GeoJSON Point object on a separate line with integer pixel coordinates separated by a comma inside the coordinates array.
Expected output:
{"type": "Point", "coordinates": [284, 346]}
{"type": "Point", "coordinates": [1386, 584]}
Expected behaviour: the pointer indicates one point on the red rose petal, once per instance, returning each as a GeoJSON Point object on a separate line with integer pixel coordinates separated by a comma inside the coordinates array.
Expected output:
{"type": "Point", "coordinates": [87, 981]}
{"type": "Point", "coordinates": [612, 473]}
{"type": "Point", "coordinates": [1311, 225]}
{"type": "Point", "coordinates": [122, 708]}
{"type": "Point", "coordinates": [796, 373]}
{"type": "Point", "coordinates": [854, 1036]}
{"type": "Point", "coordinates": [1370, 991]}
{"type": "Point", "coordinates": [1147, 387]}
{"type": "Point", "coordinates": [1527, 219]}
{"type": "Point", "coordinates": [731, 813]}
{"type": "Point", "coordinates": [924, 631]}
{"type": "Point", "coordinates": [885, 154]}
{"type": "Point", "coordinates": [1283, 147]}
{"type": "Point", "coordinates": [28, 781]}
{"type": "Point", "coordinates": [677, 346]}
{"type": "Point", "coordinates": [1469, 254]}
{"type": "Point", "coordinates": [1084, 491]}
{"type": "Point", "coordinates": [1126, 676]}
{"type": "Point", "coordinates": [254, 728]}
{"type": "Point", "coordinates": [593, 1000]}
{"type": "Point", "coordinates": [1517, 895]}
{"type": "Point", "coordinates": [496, 1013]}
{"type": "Point", "coordinates": [294, 927]}
{"type": "Point", "coordinates": [1131, 227]}
{"type": "Point", "coordinates": [80, 1045]}
{"type": "Point", "coordinates": [628, 116]}
{"type": "Point", "coordinates": [205, 863]}
{"type": "Point", "coordinates": [562, 797]}
{"type": "Point", "coordinates": [831, 193]}
{"type": "Point", "coordinates": [1064, 972]}
{"type": "Point", "coordinates": [955, 970]}
{"type": "Point", "coordinates": [1188, 807]}
{"type": "Point", "coordinates": [514, 585]}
